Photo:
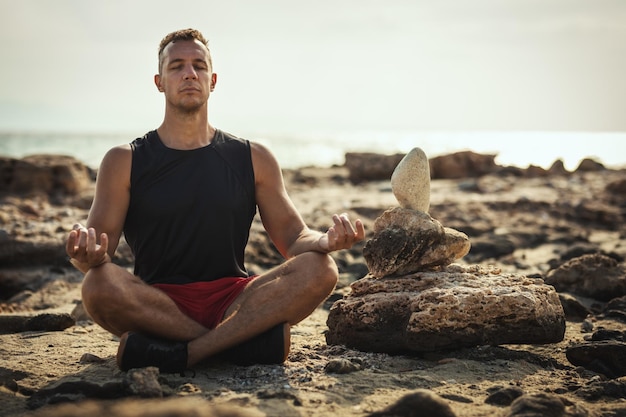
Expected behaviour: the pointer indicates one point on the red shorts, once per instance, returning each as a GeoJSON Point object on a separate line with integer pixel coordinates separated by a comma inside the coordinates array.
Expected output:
{"type": "Point", "coordinates": [205, 301]}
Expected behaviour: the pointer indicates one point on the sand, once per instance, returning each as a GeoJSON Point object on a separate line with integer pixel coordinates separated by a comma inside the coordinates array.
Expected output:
{"type": "Point", "coordinates": [77, 365]}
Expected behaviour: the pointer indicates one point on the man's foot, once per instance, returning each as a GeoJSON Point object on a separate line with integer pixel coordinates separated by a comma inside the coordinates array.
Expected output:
{"type": "Point", "coordinates": [139, 351]}
{"type": "Point", "coordinates": [268, 348]}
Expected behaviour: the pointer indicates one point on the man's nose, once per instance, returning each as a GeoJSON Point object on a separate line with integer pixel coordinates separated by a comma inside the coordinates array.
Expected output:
{"type": "Point", "coordinates": [190, 73]}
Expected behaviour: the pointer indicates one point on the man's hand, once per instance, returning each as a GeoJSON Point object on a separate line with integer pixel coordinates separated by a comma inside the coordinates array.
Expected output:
{"type": "Point", "coordinates": [83, 249]}
{"type": "Point", "coordinates": [342, 235]}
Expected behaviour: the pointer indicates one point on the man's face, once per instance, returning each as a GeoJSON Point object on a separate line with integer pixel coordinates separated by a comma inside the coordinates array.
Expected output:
{"type": "Point", "coordinates": [186, 76]}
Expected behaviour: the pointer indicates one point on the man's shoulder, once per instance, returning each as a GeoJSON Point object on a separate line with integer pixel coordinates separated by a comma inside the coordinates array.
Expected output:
{"type": "Point", "coordinates": [234, 150]}
{"type": "Point", "coordinates": [144, 140]}
{"type": "Point", "coordinates": [222, 137]}
{"type": "Point", "coordinates": [228, 144]}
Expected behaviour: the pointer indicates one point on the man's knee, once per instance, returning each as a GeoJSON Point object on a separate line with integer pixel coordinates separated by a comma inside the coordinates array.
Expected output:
{"type": "Point", "coordinates": [102, 289]}
{"type": "Point", "coordinates": [322, 270]}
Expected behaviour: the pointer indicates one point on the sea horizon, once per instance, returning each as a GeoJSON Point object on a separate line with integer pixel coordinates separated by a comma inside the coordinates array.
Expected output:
{"type": "Point", "coordinates": [325, 149]}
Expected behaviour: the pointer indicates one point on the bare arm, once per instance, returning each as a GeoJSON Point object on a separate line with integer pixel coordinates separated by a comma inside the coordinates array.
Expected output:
{"type": "Point", "coordinates": [95, 244]}
{"type": "Point", "coordinates": [282, 221]}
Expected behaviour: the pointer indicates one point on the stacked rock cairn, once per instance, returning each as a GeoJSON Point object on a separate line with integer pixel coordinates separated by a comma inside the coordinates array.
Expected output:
{"type": "Point", "coordinates": [415, 299]}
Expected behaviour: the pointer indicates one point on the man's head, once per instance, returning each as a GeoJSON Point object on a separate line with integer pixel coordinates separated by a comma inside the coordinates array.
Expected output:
{"type": "Point", "coordinates": [186, 74]}
{"type": "Point", "coordinates": [182, 35]}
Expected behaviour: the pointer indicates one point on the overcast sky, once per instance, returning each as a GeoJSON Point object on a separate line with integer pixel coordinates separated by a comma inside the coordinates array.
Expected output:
{"type": "Point", "coordinates": [323, 65]}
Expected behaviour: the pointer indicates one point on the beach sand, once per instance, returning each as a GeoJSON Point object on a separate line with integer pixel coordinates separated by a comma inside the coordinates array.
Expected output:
{"type": "Point", "coordinates": [73, 372]}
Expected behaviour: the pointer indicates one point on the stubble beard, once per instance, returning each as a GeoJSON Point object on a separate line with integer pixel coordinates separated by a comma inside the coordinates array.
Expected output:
{"type": "Point", "coordinates": [188, 107]}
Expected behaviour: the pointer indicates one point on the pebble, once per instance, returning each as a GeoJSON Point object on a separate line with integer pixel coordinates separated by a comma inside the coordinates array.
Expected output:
{"type": "Point", "coordinates": [341, 366]}
{"type": "Point", "coordinates": [91, 358]}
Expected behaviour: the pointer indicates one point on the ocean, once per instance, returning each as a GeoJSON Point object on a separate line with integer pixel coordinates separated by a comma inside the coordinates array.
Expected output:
{"type": "Point", "coordinates": [326, 149]}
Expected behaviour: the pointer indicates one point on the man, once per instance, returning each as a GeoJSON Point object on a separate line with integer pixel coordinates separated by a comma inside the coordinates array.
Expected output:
{"type": "Point", "coordinates": [184, 196]}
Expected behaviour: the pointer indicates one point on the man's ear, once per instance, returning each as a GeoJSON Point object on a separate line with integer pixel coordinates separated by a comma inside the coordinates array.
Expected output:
{"type": "Point", "coordinates": [213, 81]}
{"type": "Point", "coordinates": [157, 82]}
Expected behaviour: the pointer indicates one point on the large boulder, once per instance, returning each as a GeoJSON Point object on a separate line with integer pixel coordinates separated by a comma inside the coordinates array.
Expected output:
{"type": "Point", "coordinates": [368, 166]}
{"type": "Point", "coordinates": [455, 308]}
{"type": "Point", "coordinates": [31, 250]}
{"type": "Point", "coordinates": [465, 164]}
{"type": "Point", "coordinates": [44, 173]}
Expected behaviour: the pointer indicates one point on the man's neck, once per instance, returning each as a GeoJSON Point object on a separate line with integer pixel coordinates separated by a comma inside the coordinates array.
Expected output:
{"type": "Point", "coordinates": [187, 131]}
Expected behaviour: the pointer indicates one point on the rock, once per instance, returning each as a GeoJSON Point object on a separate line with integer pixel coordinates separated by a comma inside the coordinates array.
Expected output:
{"type": "Point", "coordinates": [454, 308]}
{"type": "Point", "coordinates": [91, 358]}
{"type": "Point", "coordinates": [558, 168]}
{"type": "Point", "coordinates": [406, 241]}
{"type": "Point", "coordinates": [588, 164]}
{"type": "Point", "coordinates": [454, 246]}
{"type": "Point", "coordinates": [607, 357]}
{"type": "Point", "coordinates": [367, 166]}
{"type": "Point", "coordinates": [616, 308]}
{"type": "Point", "coordinates": [504, 396]}
{"type": "Point", "coordinates": [597, 390]}
{"type": "Point", "coordinates": [41, 322]}
{"type": "Point", "coordinates": [75, 389]}
{"type": "Point", "coordinates": [541, 405]}
{"type": "Point", "coordinates": [32, 250]}
{"type": "Point", "coordinates": [341, 366]}
{"type": "Point", "coordinates": [44, 173]}
{"type": "Point", "coordinates": [466, 164]}
{"type": "Point", "coordinates": [410, 181]}
{"type": "Point", "coordinates": [422, 402]}
{"type": "Point", "coordinates": [510, 171]}
{"type": "Point", "coordinates": [606, 334]}
{"type": "Point", "coordinates": [595, 275]}
{"type": "Point", "coordinates": [573, 308]}
{"type": "Point", "coordinates": [534, 171]}
{"type": "Point", "coordinates": [144, 382]}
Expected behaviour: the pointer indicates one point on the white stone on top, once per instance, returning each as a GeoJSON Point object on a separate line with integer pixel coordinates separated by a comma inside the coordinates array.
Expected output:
{"type": "Point", "coordinates": [410, 181]}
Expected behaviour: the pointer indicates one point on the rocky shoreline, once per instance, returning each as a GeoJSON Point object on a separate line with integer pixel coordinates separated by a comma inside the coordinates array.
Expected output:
{"type": "Point", "coordinates": [566, 229]}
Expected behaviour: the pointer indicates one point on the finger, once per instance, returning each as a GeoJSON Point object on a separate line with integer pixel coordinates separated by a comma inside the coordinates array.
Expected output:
{"type": "Point", "coordinates": [91, 240]}
{"type": "Point", "coordinates": [104, 242]}
{"type": "Point", "coordinates": [332, 238]}
{"type": "Point", "coordinates": [347, 225]}
{"type": "Point", "coordinates": [70, 245]}
{"type": "Point", "coordinates": [360, 230]}
{"type": "Point", "coordinates": [339, 227]}
{"type": "Point", "coordinates": [82, 238]}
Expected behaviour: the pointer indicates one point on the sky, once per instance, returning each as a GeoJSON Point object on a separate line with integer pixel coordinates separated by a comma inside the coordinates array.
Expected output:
{"type": "Point", "coordinates": [325, 65]}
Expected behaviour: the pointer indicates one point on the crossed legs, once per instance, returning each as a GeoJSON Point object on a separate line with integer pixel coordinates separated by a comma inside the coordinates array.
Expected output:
{"type": "Point", "coordinates": [121, 302]}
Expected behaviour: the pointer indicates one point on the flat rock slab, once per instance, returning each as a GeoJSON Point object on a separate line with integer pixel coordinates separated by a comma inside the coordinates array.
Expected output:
{"type": "Point", "coordinates": [41, 322]}
{"type": "Point", "coordinates": [454, 308]}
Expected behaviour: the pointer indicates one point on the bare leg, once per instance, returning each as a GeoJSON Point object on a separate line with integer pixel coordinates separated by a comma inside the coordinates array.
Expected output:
{"type": "Point", "coordinates": [288, 293]}
{"type": "Point", "coordinates": [120, 302]}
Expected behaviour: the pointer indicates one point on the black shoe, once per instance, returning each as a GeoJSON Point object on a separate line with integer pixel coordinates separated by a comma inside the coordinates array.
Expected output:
{"type": "Point", "coordinates": [268, 348]}
{"type": "Point", "coordinates": [141, 351]}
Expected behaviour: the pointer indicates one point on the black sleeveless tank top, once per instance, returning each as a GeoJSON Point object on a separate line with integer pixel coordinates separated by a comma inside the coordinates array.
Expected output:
{"type": "Point", "coordinates": [190, 211]}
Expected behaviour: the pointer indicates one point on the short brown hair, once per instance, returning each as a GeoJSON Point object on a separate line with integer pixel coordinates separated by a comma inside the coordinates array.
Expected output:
{"type": "Point", "coordinates": [182, 35]}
